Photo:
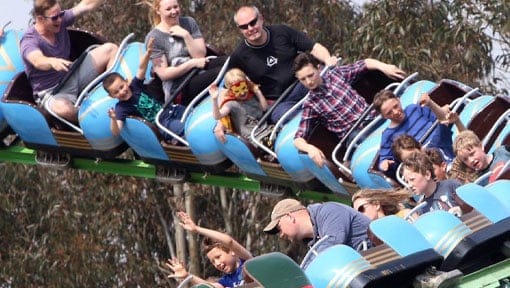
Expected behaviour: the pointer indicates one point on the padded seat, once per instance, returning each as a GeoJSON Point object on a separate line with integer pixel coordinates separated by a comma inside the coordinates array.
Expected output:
{"type": "Point", "coordinates": [485, 202]}
{"type": "Point", "coordinates": [393, 264]}
{"type": "Point", "coordinates": [275, 270]}
{"type": "Point", "coordinates": [500, 189]}
{"type": "Point", "coordinates": [442, 230]}
{"type": "Point", "coordinates": [490, 226]}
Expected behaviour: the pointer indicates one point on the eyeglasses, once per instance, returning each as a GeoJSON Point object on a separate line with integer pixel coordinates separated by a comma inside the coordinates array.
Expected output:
{"type": "Point", "coordinates": [251, 23]}
{"type": "Point", "coordinates": [55, 17]}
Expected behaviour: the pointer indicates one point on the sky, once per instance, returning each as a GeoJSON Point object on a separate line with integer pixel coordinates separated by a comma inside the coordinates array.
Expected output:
{"type": "Point", "coordinates": [16, 11]}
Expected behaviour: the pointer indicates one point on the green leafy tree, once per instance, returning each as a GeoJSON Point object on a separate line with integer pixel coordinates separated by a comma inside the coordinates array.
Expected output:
{"type": "Point", "coordinates": [439, 39]}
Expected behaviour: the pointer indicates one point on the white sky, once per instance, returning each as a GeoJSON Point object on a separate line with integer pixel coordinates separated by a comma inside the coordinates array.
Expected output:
{"type": "Point", "coordinates": [16, 11]}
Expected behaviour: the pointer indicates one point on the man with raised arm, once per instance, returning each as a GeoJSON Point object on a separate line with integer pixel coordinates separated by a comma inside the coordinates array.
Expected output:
{"type": "Point", "coordinates": [46, 48]}
{"type": "Point", "coordinates": [333, 102]}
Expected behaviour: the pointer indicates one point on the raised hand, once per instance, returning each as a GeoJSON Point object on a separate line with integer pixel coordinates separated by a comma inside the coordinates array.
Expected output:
{"type": "Point", "coordinates": [111, 113]}
{"type": "Point", "coordinates": [213, 90]}
{"type": "Point", "coordinates": [425, 99]}
{"type": "Point", "coordinates": [178, 269]}
{"type": "Point", "coordinates": [186, 222]}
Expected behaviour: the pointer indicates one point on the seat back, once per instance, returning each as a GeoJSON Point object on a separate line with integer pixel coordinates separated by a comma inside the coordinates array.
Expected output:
{"type": "Point", "coordinates": [482, 200]}
{"type": "Point", "coordinates": [442, 230]}
{"type": "Point", "coordinates": [81, 40]}
{"type": "Point", "coordinates": [275, 270]}
{"type": "Point", "coordinates": [11, 62]}
{"type": "Point", "coordinates": [390, 229]}
{"type": "Point", "coordinates": [482, 123]}
{"type": "Point", "coordinates": [19, 90]}
{"type": "Point", "coordinates": [336, 266]}
{"type": "Point", "coordinates": [500, 189]}
{"type": "Point", "coordinates": [370, 83]}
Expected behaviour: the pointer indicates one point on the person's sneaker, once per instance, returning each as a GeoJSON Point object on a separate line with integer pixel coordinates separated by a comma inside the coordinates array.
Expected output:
{"type": "Point", "coordinates": [433, 278]}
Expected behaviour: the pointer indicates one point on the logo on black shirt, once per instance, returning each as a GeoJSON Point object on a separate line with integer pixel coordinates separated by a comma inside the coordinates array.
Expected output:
{"type": "Point", "coordinates": [271, 60]}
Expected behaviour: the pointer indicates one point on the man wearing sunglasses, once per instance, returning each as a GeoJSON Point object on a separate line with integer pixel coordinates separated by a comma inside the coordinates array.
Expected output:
{"type": "Point", "coordinates": [321, 224]}
{"type": "Point", "coordinates": [267, 53]}
{"type": "Point", "coordinates": [46, 49]}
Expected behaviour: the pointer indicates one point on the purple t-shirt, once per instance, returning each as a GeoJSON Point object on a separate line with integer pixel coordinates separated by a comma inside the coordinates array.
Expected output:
{"type": "Point", "coordinates": [32, 40]}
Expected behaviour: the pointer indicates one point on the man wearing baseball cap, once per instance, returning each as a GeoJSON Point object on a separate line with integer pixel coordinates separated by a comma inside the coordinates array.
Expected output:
{"type": "Point", "coordinates": [336, 222]}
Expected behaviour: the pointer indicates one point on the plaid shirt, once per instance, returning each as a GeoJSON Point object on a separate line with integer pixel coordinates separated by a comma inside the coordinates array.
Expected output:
{"type": "Point", "coordinates": [334, 104]}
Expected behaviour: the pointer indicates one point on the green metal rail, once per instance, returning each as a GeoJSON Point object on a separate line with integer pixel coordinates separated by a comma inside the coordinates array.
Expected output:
{"type": "Point", "coordinates": [138, 168]}
{"type": "Point", "coordinates": [488, 276]}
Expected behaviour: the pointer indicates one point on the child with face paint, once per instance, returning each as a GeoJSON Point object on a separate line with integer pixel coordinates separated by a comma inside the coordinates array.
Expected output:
{"type": "Point", "coordinates": [240, 105]}
{"type": "Point", "coordinates": [225, 253]}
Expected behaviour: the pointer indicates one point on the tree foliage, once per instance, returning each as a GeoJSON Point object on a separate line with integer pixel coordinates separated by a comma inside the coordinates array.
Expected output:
{"type": "Point", "coordinates": [67, 228]}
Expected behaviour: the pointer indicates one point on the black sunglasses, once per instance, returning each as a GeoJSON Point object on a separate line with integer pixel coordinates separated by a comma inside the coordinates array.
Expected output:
{"type": "Point", "coordinates": [55, 18]}
{"type": "Point", "coordinates": [251, 23]}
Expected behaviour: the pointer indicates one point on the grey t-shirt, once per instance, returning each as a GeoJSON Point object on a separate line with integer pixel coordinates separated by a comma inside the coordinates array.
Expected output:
{"type": "Point", "coordinates": [173, 48]}
{"type": "Point", "coordinates": [244, 115]}
{"type": "Point", "coordinates": [442, 198]}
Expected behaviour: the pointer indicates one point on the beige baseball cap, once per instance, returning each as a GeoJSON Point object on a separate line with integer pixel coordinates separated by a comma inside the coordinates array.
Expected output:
{"type": "Point", "coordinates": [281, 209]}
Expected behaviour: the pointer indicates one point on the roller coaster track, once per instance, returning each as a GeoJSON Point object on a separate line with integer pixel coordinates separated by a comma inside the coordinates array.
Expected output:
{"type": "Point", "coordinates": [19, 154]}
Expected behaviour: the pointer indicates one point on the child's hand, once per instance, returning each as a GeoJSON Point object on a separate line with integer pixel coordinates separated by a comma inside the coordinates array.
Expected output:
{"type": "Point", "coordinates": [451, 117]}
{"type": "Point", "coordinates": [178, 268]}
{"type": "Point", "coordinates": [150, 45]}
{"type": "Point", "coordinates": [111, 113]}
{"type": "Point", "coordinates": [425, 99]}
{"type": "Point", "coordinates": [213, 91]}
{"type": "Point", "coordinates": [186, 222]}
{"type": "Point", "coordinates": [385, 164]}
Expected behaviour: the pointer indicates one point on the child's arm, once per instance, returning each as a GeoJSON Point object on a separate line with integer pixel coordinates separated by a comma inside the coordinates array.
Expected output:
{"type": "Point", "coordinates": [215, 95]}
{"type": "Point", "coordinates": [223, 238]}
{"type": "Point", "coordinates": [438, 111]}
{"type": "Point", "coordinates": [260, 97]}
{"type": "Point", "coordinates": [144, 62]}
{"type": "Point", "coordinates": [219, 132]}
{"type": "Point", "coordinates": [115, 125]}
{"type": "Point", "coordinates": [180, 273]}
{"type": "Point", "coordinates": [453, 117]}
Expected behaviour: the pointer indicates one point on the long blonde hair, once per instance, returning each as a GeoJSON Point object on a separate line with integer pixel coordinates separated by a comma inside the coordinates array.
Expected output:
{"type": "Point", "coordinates": [390, 200]}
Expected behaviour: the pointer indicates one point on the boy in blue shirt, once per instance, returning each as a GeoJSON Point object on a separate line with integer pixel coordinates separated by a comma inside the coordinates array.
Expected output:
{"type": "Point", "coordinates": [415, 120]}
{"type": "Point", "coordinates": [133, 101]}
{"type": "Point", "coordinates": [225, 253]}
